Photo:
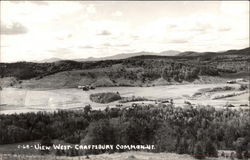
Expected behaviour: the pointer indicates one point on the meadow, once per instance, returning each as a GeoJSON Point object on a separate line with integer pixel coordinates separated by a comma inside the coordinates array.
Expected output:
{"type": "Point", "coordinates": [14, 100]}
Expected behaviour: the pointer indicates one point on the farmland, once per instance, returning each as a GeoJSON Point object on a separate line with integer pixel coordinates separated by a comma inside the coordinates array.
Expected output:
{"type": "Point", "coordinates": [26, 100]}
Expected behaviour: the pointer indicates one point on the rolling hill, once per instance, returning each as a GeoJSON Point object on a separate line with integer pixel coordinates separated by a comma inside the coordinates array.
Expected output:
{"type": "Point", "coordinates": [141, 70]}
{"type": "Point", "coordinates": [224, 53]}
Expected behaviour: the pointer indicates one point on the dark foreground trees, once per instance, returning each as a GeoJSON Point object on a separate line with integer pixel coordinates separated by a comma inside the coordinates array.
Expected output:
{"type": "Point", "coordinates": [46, 142]}
{"type": "Point", "coordinates": [199, 132]}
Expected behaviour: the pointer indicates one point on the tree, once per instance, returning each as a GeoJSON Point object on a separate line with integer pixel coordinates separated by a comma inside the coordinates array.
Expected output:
{"type": "Point", "coordinates": [198, 151]}
{"type": "Point", "coordinates": [240, 147]}
{"type": "Point", "coordinates": [87, 109]}
{"type": "Point", "coordinates": [182, 146]}
{"type": "Point", "coordinates": [59, 152]}
{"type": "Point", "coordinates": [210, 149]}
{"type": "Point", "coordinates": [165, 138]}
{"type": "Point", "coordinates": [99, 132]}
{"type": "Point", "coordinates": [132, 131]}
{"type": "Point", "coordinates": [47, 142]}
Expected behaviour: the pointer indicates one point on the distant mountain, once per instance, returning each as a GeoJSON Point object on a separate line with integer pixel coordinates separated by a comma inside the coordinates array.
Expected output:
{"type": "Point", "coordinates": [245, 51]}
{"type": "Point", "coordinates": [168, 53]}
{"type": "Point", "coordinates": [173, 53]}
{"type": "Point", "coordinates": [114, 57]}
{"type": "Point", "coordinates": [128, 55]}
{"type": "Point", "coordinates": [49, 60]}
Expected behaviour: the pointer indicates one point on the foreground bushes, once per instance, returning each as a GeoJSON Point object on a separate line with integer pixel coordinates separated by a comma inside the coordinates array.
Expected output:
{"type": "Point", "coordinates": [106, 97]}
{"type": "Point", "coordinates": [199, 132]}
{"type": "Point", "coordinates": [230, 95]}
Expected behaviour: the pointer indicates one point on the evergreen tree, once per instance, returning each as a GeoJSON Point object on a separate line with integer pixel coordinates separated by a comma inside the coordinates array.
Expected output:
{"type": "Point", "coordinates": [210, 149]}
{"type": "Point", "coordinates": [198, 151]}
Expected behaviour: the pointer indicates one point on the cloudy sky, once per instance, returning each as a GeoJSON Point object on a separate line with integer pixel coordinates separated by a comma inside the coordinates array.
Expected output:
{"type": "Point", "coordinates": [39, 30]}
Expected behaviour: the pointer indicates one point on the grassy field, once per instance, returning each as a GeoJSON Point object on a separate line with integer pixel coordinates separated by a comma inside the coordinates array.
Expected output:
{"type": "Point", "coordinates": [26, 100]}
{"type": "Point", "coordinates": [16, 148]}
{"type": "Point", "coordinates": [116, 156]}
{"type": "Point", "coordinates": [13, 152]}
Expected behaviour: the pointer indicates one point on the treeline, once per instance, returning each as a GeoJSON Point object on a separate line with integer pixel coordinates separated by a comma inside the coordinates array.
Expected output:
{"type": "Point", "coordinates": [149, 67]}
{"type": "Point", "coordinates": [199, 132]}
{"type": "Point", "coordinates": [148, 70]}
{"type": "Point", "coordinates": [179, 72]}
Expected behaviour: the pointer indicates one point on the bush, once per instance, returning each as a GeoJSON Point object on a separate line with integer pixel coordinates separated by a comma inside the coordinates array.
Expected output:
{"type": "Point", "coordinates": [243, 87]}
{"type": "Point", "coordinates": [132, 99]}
{"type": "Point", "coordinates": [105, 97]}
{"type": "Point", "coordinates": [225, 88]}
{"type": "Point", "coordinates": [99, 132]}
{"type": "Point", "coordinates": [240, 146]}
{"type": "Point", "coordinates": [198, 151]}
{"type": "Point", "coordinates": [210, 149]}
{"type": "Point", "coordinates": [187, 102]}
{"type": "Point", "coordinates": [229, 95]}
{"type": "Point", "coordinates": [46, 141]}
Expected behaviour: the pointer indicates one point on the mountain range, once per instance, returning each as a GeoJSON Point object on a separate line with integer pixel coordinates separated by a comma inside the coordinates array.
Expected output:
{"type": "Point", "coordinates": [143, 53]}
{"type": "Point", "coordinates": [117, 56]}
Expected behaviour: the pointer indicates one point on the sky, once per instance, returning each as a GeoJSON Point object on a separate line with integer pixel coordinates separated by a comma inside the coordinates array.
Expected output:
{"type": "Point", "coordinates": [38, 30]}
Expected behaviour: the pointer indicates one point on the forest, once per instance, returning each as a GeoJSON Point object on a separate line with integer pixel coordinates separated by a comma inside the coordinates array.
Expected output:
{"type": "Point", "coordinates": [148, 67]}
{"type": "Point", "coordinates": [200, 131]}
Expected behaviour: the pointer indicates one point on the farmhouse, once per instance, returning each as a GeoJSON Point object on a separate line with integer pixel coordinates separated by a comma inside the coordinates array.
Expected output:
{"type": "Point", "coordinates": [79, 87]}
{"type": "Point", "coordinates": [231, 81]}
{"type": "Point", "coordinates": [240, 80]}
{"type": "Point", "coordinates": [86, 87]}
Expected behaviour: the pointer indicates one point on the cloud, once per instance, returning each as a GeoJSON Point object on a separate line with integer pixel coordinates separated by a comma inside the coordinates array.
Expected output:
{"type": "Point", "coordinates": [171, 26]}
{"type": "Point", "coordinates": [115, 45]}
{"type": "Point", "coordinates": [106, 44]}
{"type": "Point", "coordinates": [104, 33]}
{"type": "Point", "coordinates": [61, 51]}
{"type": "Point", "coordinates": [86, 47]}
{"type": "Point", "coordinates": [234, 8]}
{"type": "Point", "coordinates": [224, 28]}
{"type": "Point", "coordinates": [4, 45]}
{"type": "Point", "coordinates": [39, 3]}
{"type": "Point", "coordinates": [69, 35]}
{"type": "Point", "coordinates": [134, 37]}
{"type": "Point", "coordinates": [91, 9]}
{"type": "Point", "coordinates": [117, 14]}
{"type": "Point", "coordinates": [64, 36]}
{"type": "Point", "coordinates": [13, 29]}
{"type": "Point", "coordinates": [202, 26]}
{"type": "Point", "coordinates": [178, 41]}
{"type": "Point", "coordinates": [122, 45]}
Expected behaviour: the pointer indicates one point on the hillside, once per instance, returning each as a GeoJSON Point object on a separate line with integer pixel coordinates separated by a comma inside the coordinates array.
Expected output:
{"type": "Point", "coordinates": [145, 70]}
{"type": "Point", "coordinates": [229, 52]}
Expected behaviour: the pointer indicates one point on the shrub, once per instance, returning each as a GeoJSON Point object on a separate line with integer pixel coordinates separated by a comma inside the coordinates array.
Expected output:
{"type": "Point", "coordinates": [198, 151]}
{"type": "Point", "coordinates": [46, 141]}
{"type": "Point", "coordinates": [187, 102]}
{"type": "Point", "coordinates": [106, 97]}
{"type": "Point", "coordinates": [210, 149]}
{"type": "Point", "coordinates": [132, 99]}
{"type": "Point", "coordinates": [243, 87]}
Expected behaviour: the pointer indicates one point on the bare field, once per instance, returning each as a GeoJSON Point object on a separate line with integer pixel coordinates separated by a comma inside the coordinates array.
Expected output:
{"type": "Point", "coordinates": [13, 100]}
